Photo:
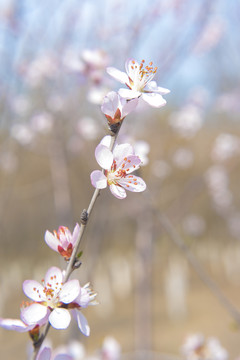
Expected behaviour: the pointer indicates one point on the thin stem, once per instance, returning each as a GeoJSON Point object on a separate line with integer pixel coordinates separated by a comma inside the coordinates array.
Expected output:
{"type": "Point", "coordinates": [73, 260]}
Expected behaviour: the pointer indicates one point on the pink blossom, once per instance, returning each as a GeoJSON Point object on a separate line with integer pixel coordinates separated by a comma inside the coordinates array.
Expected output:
{"type": "Point", "coordinates": [116, 108]}
{"type": "Point", "coordinates": [117, 166]}
{"type": "Point", "coordinates": [53, 299]}
{"type": "Point", "coordinates": [138, 79]}
{"type": "Point", "coordinates": [46, 354]}
{"type": "Point", "coordinates": [20, 325]}
{"type": "Point", "coordinates": [62, 240]}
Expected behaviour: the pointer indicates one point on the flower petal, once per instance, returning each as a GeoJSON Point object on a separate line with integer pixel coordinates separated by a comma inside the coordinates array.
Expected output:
{"type": "Point", "coordinates": [54, 277]}
{"type": "Point", "coordinates": [63, 357]}
{"type": "Point", "coordinates": [118, 75]}
{"type": "Point", "coordinates": [82, 322]}
{"type": "Point", "coordinates": [34, 290]}
{"type": "Point", "coordinates": [75, 234]}
{"type": "Point", "coordinates": [35, 314]}
{"type": "Point", "coordinates": [106, 140]}
{"type": "Point", "coordinates": [153, 99]}
{"type": "Point", "coordinates": [130, 163]}
{"type": "Point", "coordinates": [133, 183]}
{"type": "Point", "coordinates": [152, 86]}
{"type": "Point", "coordinates": [51, 240]}
{"type": "Point", "coordinates": [98, 179]}
{"type": "Point", "coordinates": [44, 354]}
{"type": "Point", "coordinates": [69, 292]}
{"type": "Point", "coordinates": [121, 151]}
{"type": "Point", "coordinates": [15, 324]}
{"type": "Point", "coordinates": [129, 94]}
{"type": "Point", "coordinates": [104, 156]}
{"type": "Point", "coordinates": [128, 106]}
{"type": "Point", "coordinates": [118, 191]}
{"type": "Point", "coordinates": [111, 103]}
{"type": "Point", "coordinates": [60, 318]}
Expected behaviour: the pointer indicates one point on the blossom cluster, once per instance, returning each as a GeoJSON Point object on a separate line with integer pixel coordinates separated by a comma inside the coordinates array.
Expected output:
{"type": "Point", "coordinates": [56, 299]}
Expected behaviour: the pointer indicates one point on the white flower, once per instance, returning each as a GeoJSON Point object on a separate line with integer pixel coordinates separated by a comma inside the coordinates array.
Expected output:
{"type": "Point", "coordinates": [117, 165]}
{"type": "Point", "coordinates": [53, 299]}
{"type": "Point", "coordinates": [138, 79]}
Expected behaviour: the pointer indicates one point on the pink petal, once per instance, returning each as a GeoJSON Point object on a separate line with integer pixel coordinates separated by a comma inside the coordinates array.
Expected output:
{"type": "Point", "coordinates": [82, 322]}
{"type": "Point", "coordinates": [129, 94]}
{"type": "Point", "coordinates": [54, 277]}
{"type": "Point", "coordinates": [51, 240]}
{"type": "Point", "coordinates": [75, 234]}
{"type": "Point", "coordinates": [152, 86]}
{"type": "Point", "coordinates": [132, 68]}
{"type": "Point", "coordinates": [69, 292]}
{"type": "Point", "coordinates": [104, 156]}
{"type": "Point", "coordinates": [35, 314]}
{"type": "Point", "coordinates": [111, 103]}
{"type": "Point", "coordinates": [106, 140]}
{"type": "Point", "coordinates": [83, 299]}
{"type": "Point", "coordinates": [118, 75]}
{"type": "Point", "coordinates": [98, 179]}
{"type": "Point", "coordinates": [153, 99]}
{"type": "Point", "coordinates": [34, 290]}
{"type": "Point", "coordinates": [60, 318]}
{"type": "Point", "coordinates": [44, 354]}
{"type": "Point", "coordinates": [121, 151]}
{"type": "Point", "coordinates": [130, 163]}
{"type": "Point", "coordinates": [129, 106]}
{"type": "Point", "coordinates": [133, 183]}
{"type": "Point", "coordinates": [118, 191]}
{"type": "Point", "coordinates": [15, 324]}
{"type": "Point", "coordinates": [63, 357]}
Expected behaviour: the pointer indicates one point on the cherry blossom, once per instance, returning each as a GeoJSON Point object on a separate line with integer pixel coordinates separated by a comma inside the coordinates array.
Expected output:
{"type": "Point", "coordinates": [196, 347]}
{"type": "Point", "coordinates": [116, 108]}
{"type": "Point", "coordinates": [53, 299]}
{"type": "Point", "coordinates": [47, 354]}
{"type": "Point", "coordinates": [117, 167]}
{"type": "Point", "coordinates": [138, 79]}
{"type": "Point", "coordinates": [62, 240]}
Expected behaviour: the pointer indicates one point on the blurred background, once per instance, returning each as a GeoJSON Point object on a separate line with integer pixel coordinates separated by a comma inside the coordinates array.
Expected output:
{"type": "Point", "coordinates": [53, 57]}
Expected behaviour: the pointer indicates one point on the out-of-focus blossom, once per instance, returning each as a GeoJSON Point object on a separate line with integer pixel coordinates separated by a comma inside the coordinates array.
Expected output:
{"type": "Point", "coordinates": [229, 102]}
{"type": "Point", "coordinates": [116, 108]}
{"type": "Point", "coordinates": [183, 158]}
{"type": "Point", "coordinates": [87, 127]}
{"type": "Point", "coordinates": [62, 240]}
{"type": "Point", "coordinates": [75, 349]}
{"type": "Point", "coordinates": [111, 349]}
{"type": "Point", "coordinates": [117, 165]}
{"type": "Point", "coordinates": [96, 94]}
{"type": "Point", "coordinates": [41, 68]}
{"type": "Point", "coordinates": [42, 122]}
{"type": "Point", "coordinates": [187, 122]}
{"type": "Point", "coordinates": [194, 225]}
{"type": "Point", "coordinates": [196, 347]}
{"type": "Point", "coordinates": [56, 102]}
{"type": "Point", "coordinates": [94, 64]}
{"type": "Point", "coordinates": [22, 133]}
{"type": "Point", "coordinates": [225, 147]}
{"type": "Point", "coordinates": [217, 181]}
{"type": "Point", "coordinates": [142, 149]}
{"type": "Point", "coordinates": [54, 300]}
{"type": "Point", "coordinates": [46, 354]}
{"type": "Point", "coordinates": [211, 35]}
{"type": "Point", "coordinates": [138, 79]}
{"type": "Point", "coordinates": [161, 169]}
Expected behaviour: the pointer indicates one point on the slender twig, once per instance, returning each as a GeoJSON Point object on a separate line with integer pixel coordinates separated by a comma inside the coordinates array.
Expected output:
{"type": "Point", "coordinates": [73, 262]}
